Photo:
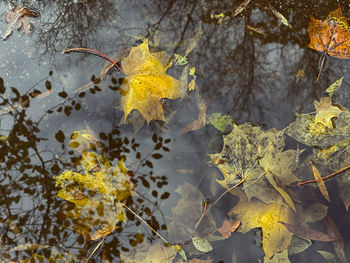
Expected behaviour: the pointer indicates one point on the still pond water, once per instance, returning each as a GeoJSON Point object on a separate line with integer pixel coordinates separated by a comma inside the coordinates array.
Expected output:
{"type": "Point", "coordinates": [249, 65]}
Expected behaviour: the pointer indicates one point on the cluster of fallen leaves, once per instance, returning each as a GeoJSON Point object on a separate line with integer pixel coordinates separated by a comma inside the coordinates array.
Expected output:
{"type": "Point", "coordinates": [256, 160]}
{"type": "Point", "coordinates": [252, 158]}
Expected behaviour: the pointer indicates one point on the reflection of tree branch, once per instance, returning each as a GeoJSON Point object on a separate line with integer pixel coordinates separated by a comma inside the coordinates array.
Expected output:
{"type": "Point", "coordinates": [73, 24]}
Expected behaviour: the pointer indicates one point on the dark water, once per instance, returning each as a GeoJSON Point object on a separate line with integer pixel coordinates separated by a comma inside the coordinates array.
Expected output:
{"type": "Point", "coordinates": [248, 75]}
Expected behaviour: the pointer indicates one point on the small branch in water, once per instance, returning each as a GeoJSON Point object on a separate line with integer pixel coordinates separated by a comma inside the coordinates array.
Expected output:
{"type": "Point", "coordinates": [323, 178]}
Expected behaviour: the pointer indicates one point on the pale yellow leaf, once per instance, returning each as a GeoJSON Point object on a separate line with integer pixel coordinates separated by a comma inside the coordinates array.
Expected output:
{"type": "Point", "coordinates": [321, 185]}
{"type": "Point", "coordinates": [283, 193]}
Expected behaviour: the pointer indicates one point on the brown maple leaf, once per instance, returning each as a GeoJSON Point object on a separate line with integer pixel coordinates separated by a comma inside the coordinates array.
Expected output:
{"type": "Point", "coordinates": [18, 18]}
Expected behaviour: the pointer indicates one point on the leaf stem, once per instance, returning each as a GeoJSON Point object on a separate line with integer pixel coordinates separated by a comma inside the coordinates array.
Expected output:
{"type": "Point", "coordinates": [93, 52]}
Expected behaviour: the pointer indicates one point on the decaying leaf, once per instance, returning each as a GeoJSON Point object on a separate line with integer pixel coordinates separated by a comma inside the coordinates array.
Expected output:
{"type": "Point", "coordinates": [202, 115]}
{"type": "Point", "coordinates": [146, 82]}
{"type": "Point", "coordinates": [186, 214]}
{"type": "Point", "coordinates": [18, 18]}
{"type": "Point", "coordinates": [104, 231]}
{"type": "Point", "coordinates": [275, 236]}
{"type": "Point", "coordinates": [300, 128]}
{"type": "Point", "coordinates": [243, 148]}
{"type": "Point", "coordinates": [321, 185]}
{"type": "Point", "coordinates": [228, 226]}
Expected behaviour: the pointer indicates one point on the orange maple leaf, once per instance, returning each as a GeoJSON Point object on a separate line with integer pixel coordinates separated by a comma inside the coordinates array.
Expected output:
{"type": "Point", "coordinates": [331, 35]}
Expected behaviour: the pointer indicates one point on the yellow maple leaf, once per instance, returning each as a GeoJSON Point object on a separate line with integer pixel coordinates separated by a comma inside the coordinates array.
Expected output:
{"type": "Point", "coordinates": [325, 111]}
{"type": "Point", "coordinates": [109, 185]}
{"type": "Point", "coordinates": [146, 82]}
{"type": "Point", "coordinates": [275, 236]}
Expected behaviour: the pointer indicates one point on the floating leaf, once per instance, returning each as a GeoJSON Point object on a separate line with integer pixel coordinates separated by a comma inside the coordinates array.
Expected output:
{"type": "Point", "coordinates": [202, 244]}
{"type": "Point", "coordinates": [104, 231]}
{"type": "Point", "coordinates": [160, 253]}
{"type": "Point", "coordinates": [180, 60]}
{"type": "Point", "coordinates": [146, 82]}
{"type": "Point", "coordinates": [331, 35]}
{"type": "Point", "coordinates": [321, 185]}
{"type": "Point", "coordinates": [334, 87]}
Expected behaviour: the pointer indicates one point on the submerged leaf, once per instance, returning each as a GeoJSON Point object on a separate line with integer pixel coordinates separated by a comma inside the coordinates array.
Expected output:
{"type": "Point", "coordinates": [98, 192]}
{"type": "Point", "coordinates": [307, 232]}
{"type": "Point", "coordinates": [338, 245]}
{"type": "Point", "coordinates": [239, 160]}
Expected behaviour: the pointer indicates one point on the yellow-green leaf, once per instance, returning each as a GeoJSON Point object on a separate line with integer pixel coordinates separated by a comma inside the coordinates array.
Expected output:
{"type": "Point", "coordinates": [321, 185]}
{"type": "Point", "coordinates": [283, 193]}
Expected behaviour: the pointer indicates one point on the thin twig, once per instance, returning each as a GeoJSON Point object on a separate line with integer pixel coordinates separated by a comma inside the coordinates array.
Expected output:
{"type": "Point", "coordinates": [93, 252]}
{"type": "Point", "coordinates": [323, 178]}
{"type": "Point", "coordinates": [143, 221]}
